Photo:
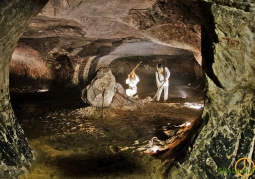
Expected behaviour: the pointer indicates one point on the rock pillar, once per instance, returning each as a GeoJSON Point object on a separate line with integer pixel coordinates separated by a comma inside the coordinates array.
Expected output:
{"type": "Point", "coordinates": [15, 154]}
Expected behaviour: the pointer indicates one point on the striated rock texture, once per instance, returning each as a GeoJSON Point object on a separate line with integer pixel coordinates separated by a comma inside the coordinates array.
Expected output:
{"type": "Point", "coordinates": [27, 61]}
{"type": "Point", "coordinates": [92, 34]}
{"type": "Point", "coordinates": [170, 22]}
{"type": "Point", "coordinates": [15, 154]}
{"type": "Point", "coordinates": [228, 127]}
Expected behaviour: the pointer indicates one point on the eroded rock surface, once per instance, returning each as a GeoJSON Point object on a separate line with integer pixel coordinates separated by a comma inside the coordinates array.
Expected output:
{"type": "Point", "coordinates": [15, 154]}
{"type": "Point", "coordinates": [228, 131]}
{"type": "Point", "coordinates": [121, 100]}
{"type": "Point", "coordinates": [94, 33]}
{"type": "Point", "coordinates": [101, 89]}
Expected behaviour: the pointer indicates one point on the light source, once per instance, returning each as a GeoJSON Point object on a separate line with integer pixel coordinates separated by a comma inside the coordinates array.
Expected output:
{"type": "Point", "coordinates": [155, 148]}
{"type": "Point", "coordinates": [193, 105]}
{"type": "Point", "coordinates": [42, 90]}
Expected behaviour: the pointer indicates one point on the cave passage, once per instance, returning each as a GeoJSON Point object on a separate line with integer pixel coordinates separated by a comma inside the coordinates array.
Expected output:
{"type": "Point", "coordinates": [186, 74]}
{"type": "Point", "coordinates": [71, 140]}
{"type": "Point", "coordinates": [59, 54]}
{"type": "Point", "coordinates": [52, 49]}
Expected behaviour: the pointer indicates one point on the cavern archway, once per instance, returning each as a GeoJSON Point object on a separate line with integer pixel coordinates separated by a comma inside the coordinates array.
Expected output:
{"type": "Point", "coordinates": [59, 122]}
{"type": "Point", "coordinates": [56, 58]}
{"type": "Point", "coordinates": [227, 42]}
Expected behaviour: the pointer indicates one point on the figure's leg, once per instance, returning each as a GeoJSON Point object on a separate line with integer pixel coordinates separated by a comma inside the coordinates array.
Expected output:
{"type": "Point", "coordinates": [159, 93]}
{"type": "Point", "coordinates": [132, 92]}
{"type": "Point", "coordinates": [135, 91]}
{"type": "Point", "coordinates": [165, 93]}
{"type": "Point", "coordinates": [128, 92]}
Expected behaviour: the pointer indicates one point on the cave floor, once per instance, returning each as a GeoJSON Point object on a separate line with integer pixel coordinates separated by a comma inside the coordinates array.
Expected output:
{"type": "Point", "coordinates": [72, 140]}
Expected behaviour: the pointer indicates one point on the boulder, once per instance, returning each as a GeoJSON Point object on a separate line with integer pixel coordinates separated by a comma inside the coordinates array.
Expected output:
{"type": "Point", "coordinates": [100, 91]}
{"type": "Point", "coordinates": [121, 100]}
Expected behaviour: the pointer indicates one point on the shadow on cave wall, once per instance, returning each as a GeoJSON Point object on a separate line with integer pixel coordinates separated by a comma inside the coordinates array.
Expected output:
{"type": "Point", "coordinates": [61, 77]}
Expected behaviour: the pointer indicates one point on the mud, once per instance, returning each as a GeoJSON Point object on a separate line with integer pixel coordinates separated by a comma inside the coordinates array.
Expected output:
{"type": "Point", "coordinates": [73, 140]}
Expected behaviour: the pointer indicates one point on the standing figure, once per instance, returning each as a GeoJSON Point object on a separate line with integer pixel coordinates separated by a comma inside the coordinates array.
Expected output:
{"type": "Point", "coordinates": [162, 81]}
{"type": "Point", "coordinates": [132, 81]}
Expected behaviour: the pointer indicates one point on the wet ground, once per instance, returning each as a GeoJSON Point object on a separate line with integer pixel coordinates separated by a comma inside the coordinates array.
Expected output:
{"type": "Point", "coordinates": [72, 140]}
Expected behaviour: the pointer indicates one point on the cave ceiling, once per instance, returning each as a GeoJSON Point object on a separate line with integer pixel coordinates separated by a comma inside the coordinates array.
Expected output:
{"type": "Point", "coordinates": [111, 29]}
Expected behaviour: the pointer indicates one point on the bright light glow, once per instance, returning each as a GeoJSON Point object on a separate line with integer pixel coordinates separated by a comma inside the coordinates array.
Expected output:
{"type": "Point", "coordinates": [187, 123]}
{"type": "Point", "coordinates": [42, 90]}
{"type": "Point", "coordinates": [193, 105]}
{"type": "Point", "coordinates": [183, 94]}
{"type": "Point", "coordinates": [154, 148]}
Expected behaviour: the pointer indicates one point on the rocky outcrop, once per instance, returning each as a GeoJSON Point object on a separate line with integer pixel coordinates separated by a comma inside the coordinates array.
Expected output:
{"type": "Point", "coordinates": [15, 154]}
{"type": "Point", "coordinates": [122, 101]}
{"type": "Point", "coordinates": [171, 23]}
{"type": "Point", "coordinates": [109, 30]}
{"type": "Point", "coordinates": [101, 89]}
{"type": "Point", "coordinates": [228, 127]}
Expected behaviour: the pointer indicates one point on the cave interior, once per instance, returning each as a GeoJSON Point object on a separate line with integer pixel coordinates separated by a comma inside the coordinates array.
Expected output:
{"type": "Point", "coordinates": [59, 54]}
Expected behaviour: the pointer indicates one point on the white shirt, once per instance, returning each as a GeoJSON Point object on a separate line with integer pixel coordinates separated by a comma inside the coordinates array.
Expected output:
{"type": "Point", "coordinates": [132, 82]}
{"type": "Point", "coordinates": [160, 77]}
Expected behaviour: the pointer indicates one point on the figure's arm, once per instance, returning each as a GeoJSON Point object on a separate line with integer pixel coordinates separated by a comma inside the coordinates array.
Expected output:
{"type": "Point", "coordinates": [157, 80]}
{"type": "Point", "coordinates": [167, 73]}
{"type": "Point", "coordinates": [137, 78]}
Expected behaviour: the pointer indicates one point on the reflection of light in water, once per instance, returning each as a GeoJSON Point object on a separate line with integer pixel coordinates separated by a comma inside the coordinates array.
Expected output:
{"type": "Point", "coordinates": [155, 148]}
{"type": "Point", "coordinates": [184, 124]}
{"type": "Point", "coordinates": [183, 94]}
{"type": "Point", "coordinates": [187, 123]}
{"type": "Point", "coordinates": [42, 90]}
{"type": "Point", "coordinates": [193, 105]}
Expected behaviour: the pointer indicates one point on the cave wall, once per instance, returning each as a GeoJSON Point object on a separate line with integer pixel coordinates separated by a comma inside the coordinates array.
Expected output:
{"type": "Point", "coordinates": [228, 126]}
{"type": "Point", "coordinates": [94, 33]}
{"type": "Point", "coordinates": [227, 47]}
{"type": "Point", "coordinates": [59, 44]}
{"type": "Point", "coordinates": [15, 154]}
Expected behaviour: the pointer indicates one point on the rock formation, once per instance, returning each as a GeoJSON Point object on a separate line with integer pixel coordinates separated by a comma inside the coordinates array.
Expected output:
{"type": "Point", "coordinates": [228, 127]}
{"type": "Point", "coordinates": [15, 154]}
{"type": "Point", "coordinates": [101, 89]}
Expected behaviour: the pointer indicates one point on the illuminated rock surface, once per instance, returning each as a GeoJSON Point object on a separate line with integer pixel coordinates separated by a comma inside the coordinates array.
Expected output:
{"type": "Point", "coordinates": [101, 89]}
